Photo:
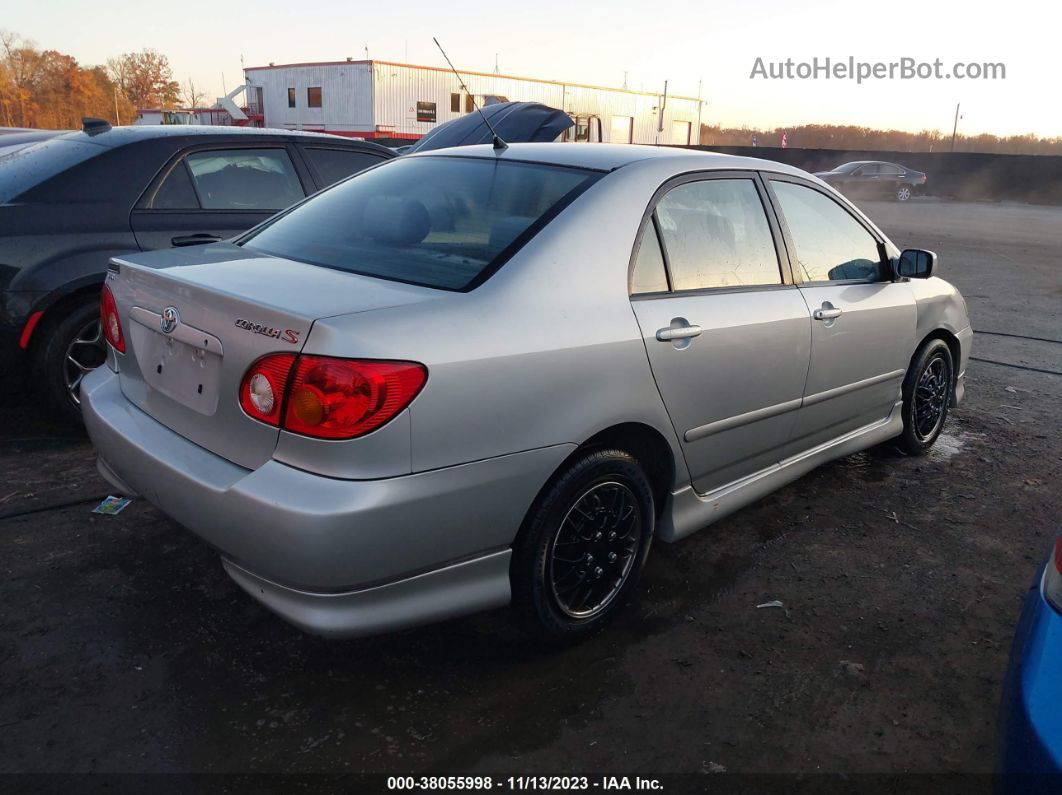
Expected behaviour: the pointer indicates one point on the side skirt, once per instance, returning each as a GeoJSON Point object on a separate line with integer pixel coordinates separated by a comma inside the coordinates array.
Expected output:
{"type": "Point", "coordinates": [689, 511]}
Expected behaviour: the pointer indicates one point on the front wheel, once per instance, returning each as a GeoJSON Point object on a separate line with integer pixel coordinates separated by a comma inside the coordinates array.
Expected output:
{"type": "Point", "coordinates": [927, 390]}
{"type": "Point", "coordinates": [903, 193]}
{"type": "Point", "coordinates": [580, 552]}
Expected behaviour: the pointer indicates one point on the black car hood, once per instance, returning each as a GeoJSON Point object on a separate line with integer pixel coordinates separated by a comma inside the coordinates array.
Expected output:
{"type": "Point", "coordinates": [515, 123]}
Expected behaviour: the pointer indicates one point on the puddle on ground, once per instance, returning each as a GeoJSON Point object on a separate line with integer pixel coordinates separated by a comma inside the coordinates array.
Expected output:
{"type": "Point", "coordinates": [950, 444]}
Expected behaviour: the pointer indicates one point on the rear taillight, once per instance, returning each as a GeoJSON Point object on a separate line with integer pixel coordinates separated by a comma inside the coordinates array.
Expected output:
{"type": "Point", "coordinates": [112, 326]}
{"type": "Point", "coordinates": [1053, 577]}
{"type": "Point", "coordinates": [262, 388]}
{"type": "Point", "coordinates": [326, 397]}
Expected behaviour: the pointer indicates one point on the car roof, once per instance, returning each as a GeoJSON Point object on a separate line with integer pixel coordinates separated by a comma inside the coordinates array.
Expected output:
{"type": "Point", "coordinates": [606, 157]}
{"type": "Point", "coordinates": [120, 136]}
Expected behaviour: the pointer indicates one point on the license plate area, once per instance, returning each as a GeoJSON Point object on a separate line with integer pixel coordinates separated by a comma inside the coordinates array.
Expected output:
{"type": "Point", "coordinates": [182, 372]}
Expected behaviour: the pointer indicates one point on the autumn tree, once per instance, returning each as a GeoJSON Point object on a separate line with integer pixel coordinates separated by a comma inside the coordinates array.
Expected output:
{"type": "Point", "coordinates": [145, 78]}
{"type": "Point", "coordinates": [50, 89]}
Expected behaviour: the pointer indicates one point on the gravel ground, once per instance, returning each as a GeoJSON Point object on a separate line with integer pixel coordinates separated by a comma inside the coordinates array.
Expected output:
{"type": "Point", "coordinates": [125, 648]}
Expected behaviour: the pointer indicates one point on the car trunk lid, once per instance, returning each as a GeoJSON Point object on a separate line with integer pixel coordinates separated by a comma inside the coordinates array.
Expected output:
{"type": "Point", "coordinates": [196, 319]}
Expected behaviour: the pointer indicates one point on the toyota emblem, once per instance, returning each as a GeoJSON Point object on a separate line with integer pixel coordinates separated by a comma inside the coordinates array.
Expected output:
{"type": "Point", "coordinates": [170, 318]}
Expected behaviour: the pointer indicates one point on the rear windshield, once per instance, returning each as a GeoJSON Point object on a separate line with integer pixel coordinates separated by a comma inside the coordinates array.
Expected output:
{"type": "Point", "coordinates": [445, 222]}
{"type": "Point", "coordinates": [28, 166]}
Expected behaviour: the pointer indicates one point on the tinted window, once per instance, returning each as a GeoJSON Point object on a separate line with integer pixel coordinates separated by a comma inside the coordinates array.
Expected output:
{"type": "Point", "coordinates": [291, 97]}
{"type": "Point", "coordinates": [891, 170]}
{"type": "Point", "coordinates": [716, 235]}
{"type": "Point", "coordinates": [175, 192]}
{"type": "Point", "coordinates": [869, 170]}
{"type": "Point", "coordinates": [830, 244]}
{"type": "Point", "coordinates": [436, 221]}
{"type": "Point", "coordinates": [245, 179]}
{"type": "Point", "coordinates": [28, 167]}
{"type": "Point", "coordinates": [649, 274]}
{"type": "Point", "coordinates": [313, 97]}
{"type": "Point", "coordinates": [335, 164]}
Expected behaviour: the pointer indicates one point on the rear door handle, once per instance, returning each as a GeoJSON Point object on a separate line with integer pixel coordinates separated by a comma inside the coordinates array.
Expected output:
{"type": "Point", "coordinates": [678, 333]}
{"type": "Point", "coordinates": [194, 240]}
{"type": "Point", "coordinates": [826, 313]}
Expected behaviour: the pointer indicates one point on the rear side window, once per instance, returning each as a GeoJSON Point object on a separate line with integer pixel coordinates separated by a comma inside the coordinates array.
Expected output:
{"type": "Point", "coordinates": [650, 273]}
{"type": "Point", "coordinates": [244, 179]}
{"type": "Point", "coordinates": [434, 221]}
{"type": "Point", "coordinates": [830, 244]}
{"type": "Point", "coordinates": [716, 235]}
{"type": "Point", "coordinates": [176, 191]}
{"type": "Point", "coordinates": [333, 165]}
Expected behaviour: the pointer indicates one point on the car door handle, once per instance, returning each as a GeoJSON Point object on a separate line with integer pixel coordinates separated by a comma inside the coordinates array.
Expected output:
{"type": "Point", "coordinates": [826, 313]}
{"type": "Point", "coordinates": [678, 333]}
{"type": "Point", "coordinates": [194, 240]}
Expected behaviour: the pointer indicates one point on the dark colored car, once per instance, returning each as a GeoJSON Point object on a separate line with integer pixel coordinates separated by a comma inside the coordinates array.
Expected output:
{"type": "Point", "coordinates": [70, 202]}
{"type": "Point", "coordinates": [875, 178]}
{"type": "Point", "coordinates": [1030, 723]}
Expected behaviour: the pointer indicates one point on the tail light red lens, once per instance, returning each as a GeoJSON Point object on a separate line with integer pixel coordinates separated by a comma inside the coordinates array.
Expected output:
{"type": "Point", "coordinates": [343, 398]}
{"type": "Point", "coordinates": [262, 388]}
{"type": "Point", "coordinates": [112, 325]}
{"type": "Point", "coordinates": [327, 397]}
{"type": "Point", "coordinates": [1053, 577]}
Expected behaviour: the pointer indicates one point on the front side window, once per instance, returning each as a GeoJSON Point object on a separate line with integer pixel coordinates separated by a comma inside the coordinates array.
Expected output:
{"type": "Point", "coordinates": [244, 179]}
{"type": "Point", "coordinates": [830, 244]}
{"type": "Point", "coordinates": [434, 221]}
{"type": "Point", "coordinates": [716, 235]}
{"type": "Point", "coordinates": [313, 97]}
{"type": "Point", "coordinates": [291, 97]}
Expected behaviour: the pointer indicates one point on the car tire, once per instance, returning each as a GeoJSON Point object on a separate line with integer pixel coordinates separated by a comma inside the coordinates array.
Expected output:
{"type": "Point", "coordinates": [601, 504]}
{"type": "Point", "coordinates": [66, 348]}
{"type": "Point", "coordinates": [927, 393]}
{"type": "Point", "coordinates": [903, 193]}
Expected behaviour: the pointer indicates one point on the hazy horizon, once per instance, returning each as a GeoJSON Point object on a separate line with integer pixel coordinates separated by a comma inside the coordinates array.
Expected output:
{"type": "Point", "coordinates": [688, 45]}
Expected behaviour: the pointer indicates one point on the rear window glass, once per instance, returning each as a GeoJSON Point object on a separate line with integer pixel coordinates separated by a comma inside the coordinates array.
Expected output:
{"type": "Point", "coordinates": [27, 167]}
{"type": "Point", "coordinates": [433, 221]}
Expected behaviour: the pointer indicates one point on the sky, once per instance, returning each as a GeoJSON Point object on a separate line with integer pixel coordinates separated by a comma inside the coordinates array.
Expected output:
{"type": "Point", "coordinates": [710, 45]}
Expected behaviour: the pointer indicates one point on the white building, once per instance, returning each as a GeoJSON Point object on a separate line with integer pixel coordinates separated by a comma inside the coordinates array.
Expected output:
{"type": "Point", "coordinates": [380, 99]}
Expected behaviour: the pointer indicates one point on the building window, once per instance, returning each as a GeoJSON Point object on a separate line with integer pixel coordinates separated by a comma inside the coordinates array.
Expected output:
{"type": "Point", "coordinates": [291, 97]}
{"type": "Point", "coordinates": [470, 105]}
{"type": "Point", "coordinates": [426, 112]}
{"type": "Point", "coordinates": [455, 103]}
{"type": "Point", "coordinates": [313, 97]}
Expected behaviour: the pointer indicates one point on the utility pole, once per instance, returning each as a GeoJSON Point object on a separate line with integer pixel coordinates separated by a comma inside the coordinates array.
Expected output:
{"type": "Point", "coordinates": [700, 104]}
{"type": "Point", "coordinates": [660, 122]}
{"type": "Point", "coordinates": [955, 127]}
{"type": "Point", "coordinates": [117, 118]}
{"type": "Point", "coordinates": [624, 78]}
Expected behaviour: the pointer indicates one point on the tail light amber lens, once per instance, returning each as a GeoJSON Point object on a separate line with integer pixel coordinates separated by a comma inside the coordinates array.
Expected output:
{"type": "Point", "coordinates": [112, 325]}
{"type": "Point", "coordinates": [343, 398]}
{"type": "Point", "coordinates": [326, 397]}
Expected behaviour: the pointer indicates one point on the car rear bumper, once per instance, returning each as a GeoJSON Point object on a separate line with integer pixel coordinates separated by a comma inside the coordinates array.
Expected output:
{"type": "Point", "coordinates": [332, 556]}
{"type": "Point", "coordinates": [1029, 754]}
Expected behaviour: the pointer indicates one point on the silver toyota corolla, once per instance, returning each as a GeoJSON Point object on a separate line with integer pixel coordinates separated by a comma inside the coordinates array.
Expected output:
{"type": "Point", "coordinates": [471, 378]}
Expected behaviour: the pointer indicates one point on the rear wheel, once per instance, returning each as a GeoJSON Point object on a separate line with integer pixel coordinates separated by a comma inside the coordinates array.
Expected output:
{"type": "Point", "coordinates": [903, 193]}
{"type": "Point", "coordinates": [927, 392]}
{"type": "Point", "coordinates": [581, 550]}
{"type": "Point", "coordinates": [68, 347]}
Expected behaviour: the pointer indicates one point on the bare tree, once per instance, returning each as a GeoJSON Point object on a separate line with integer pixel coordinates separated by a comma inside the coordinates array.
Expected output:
{"type": "Point", "coordinates": [191, 96]}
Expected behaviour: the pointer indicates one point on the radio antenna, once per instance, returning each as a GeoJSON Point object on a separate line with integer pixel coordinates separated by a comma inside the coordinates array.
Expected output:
{"type": "Point", "coordinates": [499, 144]}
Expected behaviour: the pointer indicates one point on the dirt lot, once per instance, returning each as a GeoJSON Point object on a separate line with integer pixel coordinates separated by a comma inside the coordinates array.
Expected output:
{"type": "Point", "coordinates": [125, 648]}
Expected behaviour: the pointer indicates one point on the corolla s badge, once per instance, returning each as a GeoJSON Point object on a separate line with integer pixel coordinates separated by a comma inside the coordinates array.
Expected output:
{"type": "Point", "coordinates": [285, 335]}
{"type": "Point", "coordinates": [170, 318]}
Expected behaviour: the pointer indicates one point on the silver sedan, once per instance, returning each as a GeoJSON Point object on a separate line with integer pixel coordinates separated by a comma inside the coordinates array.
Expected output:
{"type": "Point", "coordinates": [473, 378]}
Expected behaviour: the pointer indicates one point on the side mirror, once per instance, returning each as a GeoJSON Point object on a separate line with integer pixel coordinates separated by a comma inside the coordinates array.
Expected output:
{"type": "Point", "coordinates": [914, 263]}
